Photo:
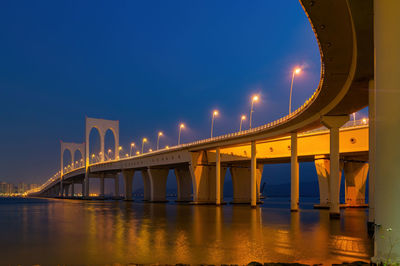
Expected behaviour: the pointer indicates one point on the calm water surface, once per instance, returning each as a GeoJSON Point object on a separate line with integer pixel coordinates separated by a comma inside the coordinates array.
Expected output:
{"type": "Point", "coordinates": [41, 231]}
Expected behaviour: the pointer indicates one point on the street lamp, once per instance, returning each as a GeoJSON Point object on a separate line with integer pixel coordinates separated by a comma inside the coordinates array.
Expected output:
{"type": "Point", "coordinates": [158, 138]}
{"type": "Point", "coordinates": [180, 129]}
{"type": "Point", "coordinates": [354, 119]}
{"type": "Point", "coordinates": [109, 154]}
{"type": "Point", "coordinates": [241, 122]}
{"type": "Point", "coordinates": [254, 99]}
{"type": "Point", "coordinates": [215, 113]}
{"type": "Point", "coordinates": [138, 152]}
{"type": "Point", "coordinates": [297, 70]}
{"type": "Point", "coordinates": [143, 141]}
{"type": "Point", "coordinates": [167, 147]}
{"type": "Point", "coordinates": [132, 146]}
{"type": "Point", "coordinates": [150, 150]}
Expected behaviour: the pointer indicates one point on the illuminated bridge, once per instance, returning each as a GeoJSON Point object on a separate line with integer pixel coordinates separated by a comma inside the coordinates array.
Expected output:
{"type": "Point", "coordinates": [348, 32]}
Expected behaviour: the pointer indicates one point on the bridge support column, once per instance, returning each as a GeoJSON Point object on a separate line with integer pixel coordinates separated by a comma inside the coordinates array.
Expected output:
{"type": "Point", "coordinates": [294, 180]}
{"type": "Point", "coordinates": [241, 181]}
{"type": "Point", "coordinates": [334, 123]}
{"type": "Point", "coordinates": [61, 189]}
{"type": "Point", "coordinates": [128, 178]}
{"type": "Point", "coordinates": [355, 174]}
{"type": "Point", "coordinates": [387, 167]}
{"type": "Point", "coordinates": [204, 179]}
{"type": "Point", "coordinates": [66, 190]}
{"type": "Point", "coordinates": [253, 176]}
{"type": "Point", "coordinates": [72, 189]}
{"type": "Point", "coordinates": [218, 176]}
{"type": "Point", "coordinates": [101, 186]}
{"type": "Point", "coordinates": [158, 184]}
{"type": "Point", "coordinates": [146, 186]}
{"type": "Point", "coordinates": [371, 158]}
{"type": "Point", "coordinates": [184, 182]}
{"type": "Point", "coordinates": [83, 188]}
{"type": "Point", "coordinates": [116, 186]}
{"type": "Point", "coordinates": [86, 186]}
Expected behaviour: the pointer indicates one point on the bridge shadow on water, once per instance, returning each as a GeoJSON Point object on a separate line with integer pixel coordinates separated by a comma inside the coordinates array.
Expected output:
{"type": "Point", "coordinates": [42, 231]}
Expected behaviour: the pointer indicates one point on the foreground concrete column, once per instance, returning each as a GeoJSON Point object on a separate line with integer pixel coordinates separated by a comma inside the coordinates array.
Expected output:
{"type": "Point", "coordinates": [253, 177]}
{"type": "Point", "coordinates": [294, 181]}
{"type": "Point", "coordinates": [116, 186]}
{"type": "Point", "coordinates": [66, 190]}
{"type": "Point", "coordinates": [218, 177]}
{"type": "Point", "coordinates": [387, 166]}
{"type": "Point", "coordinates": [241, 181]}
{"type": "Point", "coordinates": [355, 174]}
{"type": "Point", "coordinates": [334, 123]}
{"type": "Point", "coordinates": [322, 166]}
{"type": "Point", "coordinates": [371, 159]}
{"type": "Point", "coordinates": [102, 186]}
{"type": "Point", "coordinates": [158, 184]}
{"type": "Point", "coordinates": [128, 178]}
{"type": "Point", "coordinates": [146, 185]}
{"type": "Point", "coordinates": [184, 183]}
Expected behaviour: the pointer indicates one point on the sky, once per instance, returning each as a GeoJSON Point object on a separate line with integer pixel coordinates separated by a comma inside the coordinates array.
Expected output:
{"type": "Point", "coordinates": [151, 64]}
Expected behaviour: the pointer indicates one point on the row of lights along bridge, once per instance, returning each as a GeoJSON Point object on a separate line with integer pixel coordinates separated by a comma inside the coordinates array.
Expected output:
{"type": "Point", "coordinates": [215, 113]}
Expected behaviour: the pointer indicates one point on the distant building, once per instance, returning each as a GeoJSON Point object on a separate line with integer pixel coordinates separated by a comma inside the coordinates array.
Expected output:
{"type": "Point", "coordinates": [8, 189]}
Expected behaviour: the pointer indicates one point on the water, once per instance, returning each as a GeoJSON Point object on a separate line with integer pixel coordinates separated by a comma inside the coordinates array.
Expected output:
{"type": "Point", "coordinates": [50, 231]}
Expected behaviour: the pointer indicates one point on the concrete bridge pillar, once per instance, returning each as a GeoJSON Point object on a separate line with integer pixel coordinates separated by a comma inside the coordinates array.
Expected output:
{"type": "Point", "coordinates": [204, 179]}
{"type": "Point", "coordinates": [128, 179]}
{"type": "Point", "coordinates": [61, 188]}
{"type": "Point", "coordinates": [146, 184]}
{"type": "Point", "coordinates": [294, 169]}
{"type": "Point", "coordinates": [184, 182]}
{"type": "Point", "coordinates": [323, 168]}
{"type": "Point", "coordinates": [72, 189]}
{"type": "Point", "coordinates": [86, 186]}
{"type": "Point", "coordinates": [241, 181]}
{"type": "Point", "coordinates": [101, 186]}
{"type": "Point", "coordinates": [253, 178]}
{"type": "Point", "coordinates": [355, 174]}
{"type": "Point", "coordinates": [334, 123]}
{"type": "Point", "coordinates": [387, 167]}
{"type": "Point", "coordinates": [116, 186]}
{"type": "Point", "coordinates": [158, 184]}
{"type": "Point", "coordinates": [218, 191]}
{"type": "Point", "coordinates": [83, 188]}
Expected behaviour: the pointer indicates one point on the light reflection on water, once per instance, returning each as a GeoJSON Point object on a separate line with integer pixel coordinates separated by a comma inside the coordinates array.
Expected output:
{"type": "Point", "coordinates": [40, 231]}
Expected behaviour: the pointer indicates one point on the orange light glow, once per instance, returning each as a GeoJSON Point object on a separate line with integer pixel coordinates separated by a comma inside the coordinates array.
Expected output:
{"type": "Point", "coordinates": [297, 70]}
{"type": "Point", "coordinates": [243, 117]}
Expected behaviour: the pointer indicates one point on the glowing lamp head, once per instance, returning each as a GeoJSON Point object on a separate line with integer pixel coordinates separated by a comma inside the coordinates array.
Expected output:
{"type": "Point", "coordinates": [167, 147]}
{"type": "Point", "coordinates": [255, 98]}
{"type": "Point", "coordinates": [243, 117]}
{"type": "Point", "coordinates": [109, 150]}
{"type": "Point", "coordinates": [160, 133]}
{"type": "Point", "coordinates": [132, 144]}
{"type": "Point", "coordinates": [137, 153]}
{"type": "Point", "coordinates": [215, 113]}
{"type": "Point", "coordinates": [126, 155]}
{"type": "Point", "coordinates": [120, 148]}
{"type": "Point", "coordinates": [144, 140]}
{"type": "Point", "coordinates": [150, 150]}
{"type": "Point", "coordinates": [364, 120]}
{"type": "Point", "coordinates": [182, 125]}
{"type": "Point", "coordinates": [297, 70]}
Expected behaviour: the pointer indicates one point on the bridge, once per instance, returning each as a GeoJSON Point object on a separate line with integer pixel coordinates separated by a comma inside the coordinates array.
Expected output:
{"type": "Point", "coordinates": [358, 42]}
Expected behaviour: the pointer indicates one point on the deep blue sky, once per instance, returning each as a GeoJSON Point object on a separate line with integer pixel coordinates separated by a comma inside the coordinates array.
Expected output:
{"type": "Point", "coordinates": [147, 63]}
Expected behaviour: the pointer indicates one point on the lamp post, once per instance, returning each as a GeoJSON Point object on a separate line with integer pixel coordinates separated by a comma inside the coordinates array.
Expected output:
{"type": "Point", "coordinates": [241, 122]}
{"type": "Point", "coordinates": [297, 70]}
{"type": "Point", "coordinates": [158, 138]}
{"type": "Point", "coordinates": [254, 99]}
{"type": "Point", "coordinates": [109, 154]}
{"type": "Point", "coordinates": [180, 129]}
{"type": "Point", "coordinates": [132, 146]}
{"type": "Point", "coordinates": [215, 113]}
{"type": "Point", "coordinates": [354, 119]}
{"type": "Point", "coordinates": [143, 141]}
